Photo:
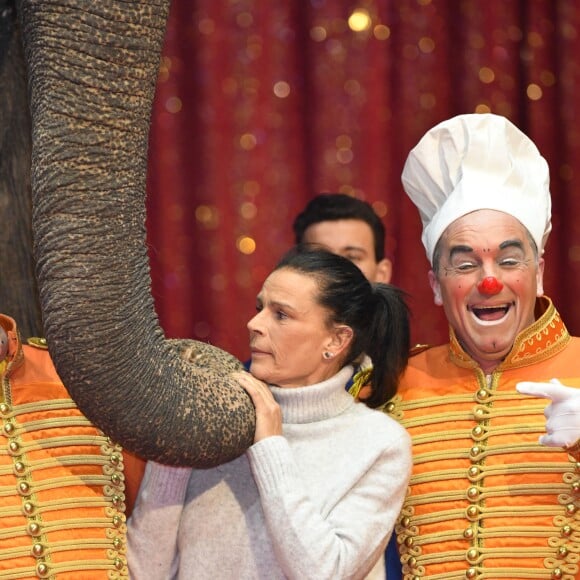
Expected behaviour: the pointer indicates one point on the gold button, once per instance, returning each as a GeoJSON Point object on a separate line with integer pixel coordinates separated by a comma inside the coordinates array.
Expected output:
{"type": "Point", "coordinates": [477, 432]}
{"type": "Point", "coordinates": [19, 468]}
{"type": "Point", "coordinates": [473, 472]}
{"type": "Point", "coordinates": [567, 531]}
{"type": "Point", "coordinates": [471, 573]}
{"type": "Point", "coordinates": [472, 512]}
{"type": "Point", "coordinates": [412, 561]}
{"type": "Point", "coordinates": [119, 563]}
{"type": "Point", "coordinates": [115, 458]}
{"type": "Point", "coordinates": [479, 413]}
{"type": "Point", "coordinates": [42, 570]}
{"type": "Point", "coordinates": [4, 409]}
{"type": "Point", "coordinates": [571, 509]}
{"type": "Point", "coordinates": [576, 487]}
{"type": "Point", "coordinates": [117, 521]}
{"type": "Point", "coordinates": [468, 533]}
{"type": "Point", "coordinates": [482, 395]}
{"type": "Point", "coordinates": [556, 574]}
{"type": "Point", "coordinates": [115, 479]}
{"type": "Point", "coordinates": [408, 541]}
{"type": "Point", "coordinates": [37, 550]}
{"type": "Point", "coordinates": [33, 529]}
{"type": "Point", "coordinates": [117, 543]}
{"type": "Point", "coordinates": [475, 451]}
{"type": "Point", "coordinates": [473, 493]}
{"type": "Point", "coordinates": [23, 488]}
{"type": "Point", "coordinates": [472, 554]}
{"type": "Point", "coordinates": [13, 448]}
{"type": "Point", "coordinates": [390, 407]}
{"type": "Point", "coordinates": [562, 552]}
{"type": "Point", "coordinates": [406, 521]}
{"type": "Point", "coordinates": [9, 428]}
{"type": "Point", "coordinates": [28, 508]}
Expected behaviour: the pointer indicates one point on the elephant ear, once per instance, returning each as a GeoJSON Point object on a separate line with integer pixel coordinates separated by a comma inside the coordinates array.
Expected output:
{"type": "Point", "coordinates": [92, 69]}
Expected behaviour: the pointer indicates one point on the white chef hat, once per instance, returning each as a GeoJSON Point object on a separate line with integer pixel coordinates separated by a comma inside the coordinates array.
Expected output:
{"type": "Point", "coordinates": [477, 161]}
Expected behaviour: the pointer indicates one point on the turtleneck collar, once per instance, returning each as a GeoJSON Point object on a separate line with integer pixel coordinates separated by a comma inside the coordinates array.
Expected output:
{"type": "Point", "coordinates": [315, 402]}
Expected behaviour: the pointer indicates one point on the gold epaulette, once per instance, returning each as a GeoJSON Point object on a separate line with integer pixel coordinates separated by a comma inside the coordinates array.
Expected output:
{"type": "Point", "coordinates": [419, 348]}
{"type": "Point", "coordinates": [37, 342]}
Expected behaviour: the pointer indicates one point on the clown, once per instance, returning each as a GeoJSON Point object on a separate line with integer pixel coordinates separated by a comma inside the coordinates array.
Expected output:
{"type": "Point", "coordinates": [487, 498]}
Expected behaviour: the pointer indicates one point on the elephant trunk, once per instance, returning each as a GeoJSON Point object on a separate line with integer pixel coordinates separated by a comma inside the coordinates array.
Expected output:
{"type": "Point", "coordinates": [92, 71]}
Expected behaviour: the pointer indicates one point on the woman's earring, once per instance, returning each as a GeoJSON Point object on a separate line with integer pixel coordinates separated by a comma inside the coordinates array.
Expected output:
{"type": "Point", "coordinates": [327, 355]}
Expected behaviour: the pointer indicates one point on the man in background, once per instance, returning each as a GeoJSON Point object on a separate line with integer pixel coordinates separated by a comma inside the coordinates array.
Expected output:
{"type": "Point", "coordinates": [349, 227]}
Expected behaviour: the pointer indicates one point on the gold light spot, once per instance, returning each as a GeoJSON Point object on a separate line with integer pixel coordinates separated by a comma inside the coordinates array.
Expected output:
{"type": "Point", "coordinates": [207, 216]}
{"type": "Point", "coordinates": [426, 45]}
{"type": "Point", "coordinates": [246, 245]}
{"type": "Point", "coordinates": [218, 282]}
{"type": "Point", "coordinates": [535, 40]}
{"type": "Point", "coordinates": [248, 141]}
{"type": "Point", "coordinates": [248, 210]}
{"type": "Point", "coordinates": [281, 89]}
{"type": "Point", "coordinates": [344, 156]}
{"type": "Point", "coordinates": [352, 87]}
{"type": "Point", "coordinates": [382, 32]}
{"type": "Point", "coordinates": [359, 20]}
{"type": "Point", "coordinates": [486, 75]}
{"type": "Point", "coordinates": [548, 78]}
{"type": "Point", "coordinates": [380, 208]}
{"type": "Point", "coordinates": [343, 142]}
{"type": "Point", "coordinates": [534, 92]}
{"type": "Point", "coordinates": [574, 253]}
{"type": "Point", "coordinates": [173, 104]}
{"type": "Point", "coordinates": [318, 33]}
{"type": "Point", "coordinates": [206, 26]}
{"type": "Point", "coordinates": [482, 108]}
{"type": "Point", "coordinates": [427, 101]}
{"type": "Point", "coordinates": [244, 19]}
{"type": "Point", "coordinates": [251, 188]}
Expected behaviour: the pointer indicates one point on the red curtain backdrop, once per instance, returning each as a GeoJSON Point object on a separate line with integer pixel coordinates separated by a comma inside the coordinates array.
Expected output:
{"type": "Point", "coordinates": [262, 104]}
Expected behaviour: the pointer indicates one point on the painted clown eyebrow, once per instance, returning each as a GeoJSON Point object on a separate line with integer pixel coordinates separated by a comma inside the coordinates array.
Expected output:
{"type": "Point", "coordinates": [463, 249]}
{"type": "Point", "coordinates": [512, 244]}
{"type": "Point", "coordinates": [459, 250]}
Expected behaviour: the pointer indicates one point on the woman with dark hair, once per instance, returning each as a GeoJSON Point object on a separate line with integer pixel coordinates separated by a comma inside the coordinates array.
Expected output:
{"type": "Point", "coordinates": [317, 494]}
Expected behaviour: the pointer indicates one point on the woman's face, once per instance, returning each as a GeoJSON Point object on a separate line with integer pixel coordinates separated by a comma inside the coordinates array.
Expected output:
{"type": "Point", "coordinates": [289, 335]}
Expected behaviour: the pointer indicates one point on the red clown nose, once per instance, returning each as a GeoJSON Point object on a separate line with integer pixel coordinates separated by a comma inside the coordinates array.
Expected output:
{"type": "Point", "coordinates": [490, 286]}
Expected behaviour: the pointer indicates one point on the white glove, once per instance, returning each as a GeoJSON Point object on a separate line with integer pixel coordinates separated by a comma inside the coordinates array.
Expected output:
{"type": "Point", "coordinates": [562, 414]}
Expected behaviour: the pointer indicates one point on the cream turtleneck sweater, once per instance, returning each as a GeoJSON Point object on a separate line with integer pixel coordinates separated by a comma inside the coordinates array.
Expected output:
{"type": "Point", "coordinates": [320, 501]}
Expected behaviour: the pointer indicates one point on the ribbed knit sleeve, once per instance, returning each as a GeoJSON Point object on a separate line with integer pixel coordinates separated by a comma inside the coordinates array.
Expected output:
{"type": "Point", "coordinates": [154, 523]}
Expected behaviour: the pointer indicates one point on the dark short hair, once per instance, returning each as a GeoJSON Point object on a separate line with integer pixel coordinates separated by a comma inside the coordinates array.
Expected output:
{"type": "Point", "coordinates": [376, 313]}
{"type": "Point", "coordinates": [340, 206]}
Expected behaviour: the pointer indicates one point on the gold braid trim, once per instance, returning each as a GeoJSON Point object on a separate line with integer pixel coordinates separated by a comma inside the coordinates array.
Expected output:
{"type": "Point", "coordinates": [30, 459]}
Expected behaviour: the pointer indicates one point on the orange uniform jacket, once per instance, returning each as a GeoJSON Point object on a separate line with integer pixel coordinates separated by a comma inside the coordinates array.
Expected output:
{"type": "Point", "coordinates": [65, 488]}
{"type": "Point", "coordinates": [487, 501]}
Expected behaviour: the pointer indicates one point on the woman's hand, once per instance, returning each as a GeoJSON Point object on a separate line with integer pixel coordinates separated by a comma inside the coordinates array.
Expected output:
{"type": "Point", "coordinates": [268, 413]}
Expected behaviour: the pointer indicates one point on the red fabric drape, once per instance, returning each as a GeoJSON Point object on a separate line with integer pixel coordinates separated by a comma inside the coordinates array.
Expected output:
{"type": "Point", "coordinates": [261, 105]}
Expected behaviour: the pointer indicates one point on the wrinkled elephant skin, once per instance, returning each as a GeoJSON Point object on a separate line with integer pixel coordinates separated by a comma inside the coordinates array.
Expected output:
{"type": "Point", "coordinates": [92, 68]}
